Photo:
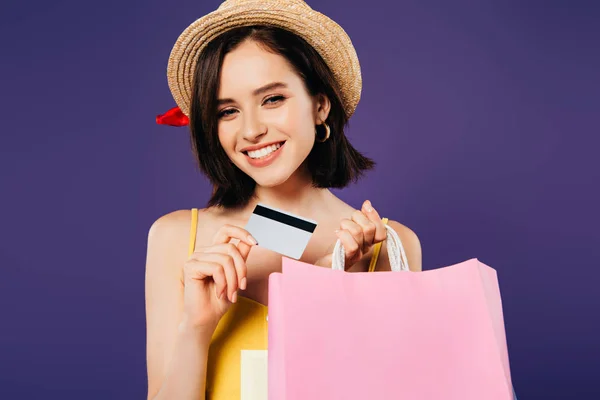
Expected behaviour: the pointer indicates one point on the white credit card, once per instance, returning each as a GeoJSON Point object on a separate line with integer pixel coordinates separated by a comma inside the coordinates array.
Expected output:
{"type": "Point", "coordinates": [254, 383]}
{"type": "Point", "coordinates": [280, 231]}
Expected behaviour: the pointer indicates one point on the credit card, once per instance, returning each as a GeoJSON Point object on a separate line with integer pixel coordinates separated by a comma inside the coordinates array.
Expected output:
{"type": "Point", "coordinates": [280, 231]}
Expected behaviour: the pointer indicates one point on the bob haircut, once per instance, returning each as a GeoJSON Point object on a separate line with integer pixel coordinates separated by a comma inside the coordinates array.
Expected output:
{"type": "Point", "coordinates": [332, 164]}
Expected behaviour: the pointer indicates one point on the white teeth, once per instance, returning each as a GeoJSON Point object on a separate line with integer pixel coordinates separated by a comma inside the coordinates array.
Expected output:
{"type": "Point", "coordinates": [263, 152]}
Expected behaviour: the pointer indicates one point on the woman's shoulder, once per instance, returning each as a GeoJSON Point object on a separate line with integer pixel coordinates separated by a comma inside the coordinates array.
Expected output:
{"type": "Point", "coordinates": [406, 234]}
{"type": "Point", "coordinates": [179, 219]}
{"type": "Point", "coordinates": [171, 222]}
{"type": "Point", "coordinates": [179, 222]}
{"type": "Point", "coordinates": [167, 245]}
{"type": "Point", "coordinates": [171, 230]}
{"type": "Point", "coordinates": [176, 227]}
{"type": "Point", "coordinates": [410, 242]}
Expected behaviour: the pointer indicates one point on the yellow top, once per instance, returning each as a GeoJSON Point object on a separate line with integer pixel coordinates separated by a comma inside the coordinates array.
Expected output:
{"type": "Point", "coordinates": [243, 327]}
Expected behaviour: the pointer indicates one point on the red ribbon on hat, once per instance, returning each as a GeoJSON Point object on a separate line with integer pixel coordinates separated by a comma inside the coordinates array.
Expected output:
{"type": "Point", "coordinates": [173, 117]}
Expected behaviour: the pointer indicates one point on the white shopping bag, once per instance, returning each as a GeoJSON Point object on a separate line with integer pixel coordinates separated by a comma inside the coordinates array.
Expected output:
{"type": "Point", "coordinates": [254, 375]}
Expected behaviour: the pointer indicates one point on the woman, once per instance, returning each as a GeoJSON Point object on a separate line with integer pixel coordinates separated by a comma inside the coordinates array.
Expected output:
{"type": "Point", "coordinates": [267, 101]}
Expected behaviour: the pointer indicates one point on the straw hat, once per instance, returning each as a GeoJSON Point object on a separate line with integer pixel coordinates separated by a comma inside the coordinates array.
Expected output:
{"type": "Point", "coordinates": [322, 33]}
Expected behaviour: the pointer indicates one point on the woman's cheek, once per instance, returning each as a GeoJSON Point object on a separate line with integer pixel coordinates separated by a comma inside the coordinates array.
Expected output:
{"type": "Point", "coordinates": [227, 142]}
{"type": "Point", "coordinates": [286, 117]}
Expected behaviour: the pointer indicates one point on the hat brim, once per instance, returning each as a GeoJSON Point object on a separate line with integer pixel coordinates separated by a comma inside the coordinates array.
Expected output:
{"type": "Point", "coordinates": [325, 35]}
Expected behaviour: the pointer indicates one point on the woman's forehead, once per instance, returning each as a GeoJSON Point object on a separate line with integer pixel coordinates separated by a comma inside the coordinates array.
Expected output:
{"type": "Point", "coordinates": [249, 67]}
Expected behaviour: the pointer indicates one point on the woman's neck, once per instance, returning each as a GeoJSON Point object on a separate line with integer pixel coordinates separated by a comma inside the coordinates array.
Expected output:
{"type": "Point", "coordinates": [297, 196]}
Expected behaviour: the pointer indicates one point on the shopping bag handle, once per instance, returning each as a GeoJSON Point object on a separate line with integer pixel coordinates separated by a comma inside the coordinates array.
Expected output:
{"type": "Point", "coordinates": [398, 261]}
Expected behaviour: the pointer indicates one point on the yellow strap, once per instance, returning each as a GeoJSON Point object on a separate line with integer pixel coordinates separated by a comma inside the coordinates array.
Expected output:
{"type": "Point", "coordinates": [193, 231]}
{"type": "Point", "coordinates": [376, 251]}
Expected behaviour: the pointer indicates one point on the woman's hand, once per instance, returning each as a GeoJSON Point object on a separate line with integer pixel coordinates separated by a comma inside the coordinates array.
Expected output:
{"type": "Point", "coordinates": [358, 235]}
{"type": "Point", "coordinates": [212, 276]}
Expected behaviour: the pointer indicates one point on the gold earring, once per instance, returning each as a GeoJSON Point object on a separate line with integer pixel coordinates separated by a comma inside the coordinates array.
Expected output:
{"type": "Point", "coordinates": [327, 133]}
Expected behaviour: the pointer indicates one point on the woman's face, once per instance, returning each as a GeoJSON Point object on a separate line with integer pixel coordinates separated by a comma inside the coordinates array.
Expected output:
{"type": "Point", "coordinates": [266, 116]}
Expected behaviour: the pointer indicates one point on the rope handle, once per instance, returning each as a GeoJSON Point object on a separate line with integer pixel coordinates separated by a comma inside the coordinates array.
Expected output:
{"type": "Point", "coordinates": [396, 253]}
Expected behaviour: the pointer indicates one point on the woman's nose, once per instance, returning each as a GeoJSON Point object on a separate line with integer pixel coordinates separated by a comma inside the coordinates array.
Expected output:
{"type": "Point", "coordinates": [252, 127]}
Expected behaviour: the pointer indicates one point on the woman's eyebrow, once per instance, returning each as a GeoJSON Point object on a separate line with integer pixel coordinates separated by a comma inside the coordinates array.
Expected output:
{"type": "Point", "coordinates": [256, 92]}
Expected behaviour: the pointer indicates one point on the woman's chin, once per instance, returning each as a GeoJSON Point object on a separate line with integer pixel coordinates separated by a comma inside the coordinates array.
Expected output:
{"type": "Point", "coordinates": [272, 175]}
{"type": "Point", "coordinates": [271, 181]}
{"type": "Point", "coordinates": [271, 178]}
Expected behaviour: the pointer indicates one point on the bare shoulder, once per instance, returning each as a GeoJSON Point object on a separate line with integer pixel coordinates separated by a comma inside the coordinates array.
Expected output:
{"type": "Point", "coordinates": [177, 224]}
{"type": "Point", "coordinates": [174, 229]}
{"type": "Point", "coordinates": [168, 229]}
{"type": "Point", "coordinates": [168, 241]}
{"type": "Point", "coordinates": [411, 244]}
{"type": "Point", "coordinates": [171, 220]}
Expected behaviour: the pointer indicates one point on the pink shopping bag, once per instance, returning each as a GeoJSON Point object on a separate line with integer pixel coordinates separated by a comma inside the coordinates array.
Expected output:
{"type": "Point", "coordinates": [430, 335]}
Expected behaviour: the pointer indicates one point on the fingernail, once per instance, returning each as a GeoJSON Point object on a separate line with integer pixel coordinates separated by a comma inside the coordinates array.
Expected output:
{"type": "Point", "coordinates": [337, 230]}
{"type": "Point", "coordinates": [368, 206]}
{"type": "Point", "coordinates": [252, 240]}
{"type": "Point", "coordinates": [234, 297]}
{"type": "Point", "coordinates": [243, 284]}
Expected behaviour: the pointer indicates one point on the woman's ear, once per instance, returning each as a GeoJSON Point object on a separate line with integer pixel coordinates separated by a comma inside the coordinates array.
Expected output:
{"type": "Point", "coordinates": [322, 107]}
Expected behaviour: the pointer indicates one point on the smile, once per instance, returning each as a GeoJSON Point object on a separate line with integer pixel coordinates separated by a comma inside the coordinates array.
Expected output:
{"type": "Point", "coordinates": [265, 155]}
{"type": "Point", "coordinates": [264, 152]}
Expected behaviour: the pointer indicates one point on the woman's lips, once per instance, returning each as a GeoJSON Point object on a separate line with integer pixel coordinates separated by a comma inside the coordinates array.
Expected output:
{"type": "Point", "coordinates": [267, 160]}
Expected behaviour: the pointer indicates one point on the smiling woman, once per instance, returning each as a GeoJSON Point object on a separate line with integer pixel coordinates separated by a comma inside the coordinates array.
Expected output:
{"type": "Point", "coordinates": [268, 97]}
{"type": "Point", "coordinates": [274, 88]}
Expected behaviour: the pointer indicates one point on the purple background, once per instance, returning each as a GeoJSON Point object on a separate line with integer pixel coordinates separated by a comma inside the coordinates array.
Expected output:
{"type": "Point", "coordinates": [483, 117]}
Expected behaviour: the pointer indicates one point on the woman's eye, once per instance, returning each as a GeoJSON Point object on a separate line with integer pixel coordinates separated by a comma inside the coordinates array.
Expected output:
{"type": "Point", "coordinates": [225, 113]}
{"type": "Point", "coordinates": [230, 111]}
{"type": "Point", "coordinates": [274, 99]}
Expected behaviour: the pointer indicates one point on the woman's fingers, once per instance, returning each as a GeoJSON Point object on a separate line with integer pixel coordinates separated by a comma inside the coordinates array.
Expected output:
{"type": "Point", "coordinates": [228, 232]}
{"type": "Point", "coordinates": [352, 249]}
{"type": "Point", "coordinates": [361, 232]}
{"type": "Point", "coordinates": [354, 229]}
{"type": "Point", "coordinates": [239, 259]}
{"type": "Point", "coordinates": [230, 272]}
{"type": "Point", "coordinates": [200, 270]}
{"type": "Point", "coordinates": [244, 250]}
{"type": "Point", "coordinates": [239, 253]}
{"type": "Point", "coordinates": [373, 216]}
{"type": "Point", "coordinates": [368, 229]}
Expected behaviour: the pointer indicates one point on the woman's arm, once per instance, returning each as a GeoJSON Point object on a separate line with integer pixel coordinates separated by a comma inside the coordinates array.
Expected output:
{"type": "Point", "coordinates": [176, 353]}
{"type": "Point", "coordinates": [185, 375]}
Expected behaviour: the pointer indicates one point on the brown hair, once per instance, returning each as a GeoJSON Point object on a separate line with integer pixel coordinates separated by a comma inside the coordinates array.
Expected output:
{"type": "Point", "coordinates": [332, 164]}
